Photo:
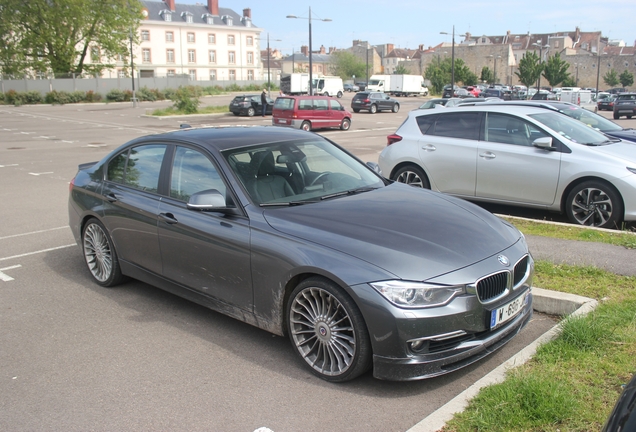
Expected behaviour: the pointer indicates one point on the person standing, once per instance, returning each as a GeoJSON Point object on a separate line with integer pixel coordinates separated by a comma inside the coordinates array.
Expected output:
{"type": "Point", "coordinates": [264, 102]}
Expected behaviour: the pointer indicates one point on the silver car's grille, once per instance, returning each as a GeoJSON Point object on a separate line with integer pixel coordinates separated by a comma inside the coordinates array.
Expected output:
{"type": "Point", "coordinates": [521, 268]}
{"type": "Point", "coordinates": [492, 286]}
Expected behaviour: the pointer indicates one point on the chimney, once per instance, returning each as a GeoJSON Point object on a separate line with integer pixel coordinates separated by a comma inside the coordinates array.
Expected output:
{"type": "Point", "coordinates": [322, 49]}
{"type": "Point", "coordinates": [389, 48]}
{"type": "Point", "coordinates": [247, 13]}
{"type": "Point", "coordinates": [421, 47]}
{"type": "Point", "coordinates": [170, 4]}
{"type": "Point", "coordinates": [305, 50]}
{"type": "Point", "coordinates": [213, 7]}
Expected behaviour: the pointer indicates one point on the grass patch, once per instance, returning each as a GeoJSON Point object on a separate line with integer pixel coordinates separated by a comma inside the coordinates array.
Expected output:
{"type": "Point", "coordinates": [205, 110]}
{"type": "Point", "coordinates": [574, 232]}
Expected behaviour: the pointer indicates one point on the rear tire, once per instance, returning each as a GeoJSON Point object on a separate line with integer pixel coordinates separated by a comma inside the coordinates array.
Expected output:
{"type": "Point", "coordinates": [339, 94]}
{"type": "Point", "coordinates": [412, 175]}
{"type": "Point", "coordinates": [355, 110]}
{"type": "Point", "coordinates": [373, 109]}
{"type": "Point", "coordinates": [306, 126]}
{"type": "Point", "coordinates": [251, 112]}
{"type": "Point", "coordinates": [616, 116]}
{"type": "Point", "coordinates": [100, 255]}
{"type": "Point", "coordinates": [326, 94]}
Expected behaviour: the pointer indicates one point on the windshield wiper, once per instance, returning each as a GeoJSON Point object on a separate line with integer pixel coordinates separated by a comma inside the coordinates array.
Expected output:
{"type": "Point", "coordinates": [348, 192]}
{"type": "Point", "coordinates": [286, 204]}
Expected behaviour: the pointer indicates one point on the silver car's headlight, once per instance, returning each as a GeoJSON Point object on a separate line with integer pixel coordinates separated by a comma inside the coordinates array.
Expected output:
{"type": "Point", "coordinates": [632, 170]}
{"type": "Point", "coordinates": [408, 294]}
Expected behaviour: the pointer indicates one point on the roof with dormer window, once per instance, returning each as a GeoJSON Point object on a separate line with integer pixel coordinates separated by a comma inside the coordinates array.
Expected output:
{"type": "Point", "coordinates": [199, 12]}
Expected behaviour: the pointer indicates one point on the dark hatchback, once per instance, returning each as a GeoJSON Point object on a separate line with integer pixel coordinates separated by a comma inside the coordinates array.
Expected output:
{"type": "Point", "coordinates": [286, 231]}
{"type": "Point", "coordinates": [606, 104]}
{"type": "Point", "coordinates": [250, 105]}
{"type": "Point", "coordinates": [374, 102]}
{"type": "Point", "coordinates": [625, 105]}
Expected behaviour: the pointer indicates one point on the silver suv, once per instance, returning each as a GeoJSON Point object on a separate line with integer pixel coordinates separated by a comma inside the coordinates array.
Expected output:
{"type": "Point", "coordinates": [517, 155]}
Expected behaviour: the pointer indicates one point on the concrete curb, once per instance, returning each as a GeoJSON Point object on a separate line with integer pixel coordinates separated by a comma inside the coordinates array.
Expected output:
{"type": "Point", "coordinates": [544, 301]}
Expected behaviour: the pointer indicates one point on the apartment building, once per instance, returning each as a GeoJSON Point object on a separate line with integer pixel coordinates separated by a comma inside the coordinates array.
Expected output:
{"type": "Point", "coordinates": [203, 41]}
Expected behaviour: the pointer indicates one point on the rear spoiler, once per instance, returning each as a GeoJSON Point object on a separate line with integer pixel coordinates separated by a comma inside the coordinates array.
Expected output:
{"type": "Point", "coordinates": [85, 166]}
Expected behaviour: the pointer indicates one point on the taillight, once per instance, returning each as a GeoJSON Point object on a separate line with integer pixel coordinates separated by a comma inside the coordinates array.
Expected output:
{"type": "Point", "coordinates": [71, 184]}
{"type": "Point", "coordinates": [366, 100]}
{"type": "Point", "coordinates": [392, 139]}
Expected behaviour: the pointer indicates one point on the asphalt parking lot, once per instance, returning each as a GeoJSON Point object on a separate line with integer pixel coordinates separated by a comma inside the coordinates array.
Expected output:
{"type": "Point", "coordinates": [76, 356]}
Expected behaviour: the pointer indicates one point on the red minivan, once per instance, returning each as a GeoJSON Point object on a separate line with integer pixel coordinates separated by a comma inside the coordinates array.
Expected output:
{"type": "Point", "coordinates": [310, 112]}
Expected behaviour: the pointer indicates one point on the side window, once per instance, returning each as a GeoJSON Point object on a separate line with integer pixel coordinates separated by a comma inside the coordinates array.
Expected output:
{"type": "Point", "coordinates": [305, 104]}
{"type": "Point", "coordinates": [335, 105]}
{"type": "Point", "coordinates": [425, 123]}
{"type": "Point", "coordinates": [139, 167]}
{"type": "Point", "coordinates": [192, 172]}
{"type": "Point", "coordinates": [457, 125]}
{"type": "Point", "coordinates": [507, 129]}
{"type": "Point", "coordinates": [321, 104]}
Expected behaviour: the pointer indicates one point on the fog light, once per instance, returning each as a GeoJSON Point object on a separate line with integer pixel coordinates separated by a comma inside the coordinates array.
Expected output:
{"type": "Point", "coordinates": [418, 345]}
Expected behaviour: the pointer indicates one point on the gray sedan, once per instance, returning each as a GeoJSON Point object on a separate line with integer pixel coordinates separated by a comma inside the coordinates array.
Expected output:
{"type": "Point", "coordinates": [517, 155]}
{"type": "Point", "coordinates": [286, 231]}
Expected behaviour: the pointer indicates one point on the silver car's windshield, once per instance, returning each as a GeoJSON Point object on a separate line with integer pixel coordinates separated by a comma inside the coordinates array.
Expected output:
{"type": "Point", "coordinates": [571, 129]}
{"type": "Point", "coordinates": [299, 172]}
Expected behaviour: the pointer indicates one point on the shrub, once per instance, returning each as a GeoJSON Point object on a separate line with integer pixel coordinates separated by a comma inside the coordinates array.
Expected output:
{"type": "Point", "coordinates": [11, 96]}
{"type": "Point", "coordinates": [1, 97]}
{"type": "Point", "coordinates": [115, 95]}
{"type": "Point", "coordinates": [169, 93]}
{"type": "Point", "coordinates": [185, 101]}
{"type": "Point", "coordinates": [145, 94]}
{"type": "Point", "coordinates": [233, 88]}
{"type": "Point", "coordinates": [77, 96]}
{"type": "Point", "coordinates": [33, 97]}
{"type": "Point", "coordinates": [91, 96]}
{"type": "Point", "coordinates": [58, 97]}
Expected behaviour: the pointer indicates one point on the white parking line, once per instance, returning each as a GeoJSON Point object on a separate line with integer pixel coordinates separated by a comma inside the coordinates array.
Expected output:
{"type": "Point", "coordinates": [36, 252]}
{"type": "Point", "coordinates": [39, 174]}
{"type": "Point", "coordinates": [34, 232]}
{"type": "Point", "coordinates": [9, 165]}
{"type": "Point", "coordinates": [5, 277]}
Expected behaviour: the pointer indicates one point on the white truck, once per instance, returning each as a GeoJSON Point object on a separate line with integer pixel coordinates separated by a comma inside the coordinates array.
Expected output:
{"type": "Point", "coordinates": [295, 83]}
{"type": "Point", "coordinates": [328, 86]}
{"type": "Point", "coordinates": [576, 96]}
{"type": "Point", "coordinates": [407, 85]}
{"type": "Point", "coordinates": [379, 83]}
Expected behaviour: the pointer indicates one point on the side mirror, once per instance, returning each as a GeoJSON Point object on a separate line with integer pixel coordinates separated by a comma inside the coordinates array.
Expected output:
{"type": "Point", "coordinates": [375, 167]}
{"type": "Point", "coordinates": [544, 143]}
{"type": "Point", "coordinates": [209, 200]}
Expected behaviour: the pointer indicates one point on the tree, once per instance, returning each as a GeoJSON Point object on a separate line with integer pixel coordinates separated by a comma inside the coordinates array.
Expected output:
{"type": "Point", "coordinates": [569, 82]}
{"type": "Point", "coordinates": [611, 78]}
{"type": "Point", "coordinates": [487, 75]}
{"type": "Point", "coordinates": [439, 73]}
{"type": "Point", "coordinates": [530, 69]}
{"type": "Point", "coordinates": [345, 65]}
{"type": "Point", "coordinates": [60, 36]}
{"type": "Point", "coordinates": [401, 70]}
{"type": "Point", "coordinates": [626, 78]}
{"type": "Point", "coordinates": [555, 70]}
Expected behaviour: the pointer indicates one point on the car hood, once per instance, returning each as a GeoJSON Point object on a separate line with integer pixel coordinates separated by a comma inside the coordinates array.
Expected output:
{"type": "Point", "coordinates": [625, 134]}
{"type": "Point", "coordinates": [624, 150]}
{"type": "Point", "coordinates": [416, 234]}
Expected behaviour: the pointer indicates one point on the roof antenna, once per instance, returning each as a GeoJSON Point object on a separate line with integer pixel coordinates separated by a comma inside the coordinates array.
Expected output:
{"type": "Point", "coordinates": [184, 126]}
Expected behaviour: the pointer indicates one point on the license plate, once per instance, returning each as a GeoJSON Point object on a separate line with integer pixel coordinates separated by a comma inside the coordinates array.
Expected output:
{"type": "Point", "coordinates": [508, 311]}
{"type": "Point", "coordinates": [282, 121]}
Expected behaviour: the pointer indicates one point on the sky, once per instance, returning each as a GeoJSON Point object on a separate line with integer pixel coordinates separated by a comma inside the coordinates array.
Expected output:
{"type": "Point", "coordinates": [409, 23]}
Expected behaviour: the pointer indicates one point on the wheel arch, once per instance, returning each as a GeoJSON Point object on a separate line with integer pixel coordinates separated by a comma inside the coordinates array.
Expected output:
{"type": "Point", "coordinates": [408, 163]}
{"type": "Point", "coordinates": [580, 180]}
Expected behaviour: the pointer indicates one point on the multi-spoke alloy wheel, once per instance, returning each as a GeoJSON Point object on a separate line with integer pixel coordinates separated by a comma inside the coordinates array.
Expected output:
{"type": "Point", "coordinates": [328, 331]}
{"type": "Point", "coordinates": [100, 254]}
{"type": "Point", "coordinates": [594, 204]}
{"type": "Point", "coordinates": [413, 176]}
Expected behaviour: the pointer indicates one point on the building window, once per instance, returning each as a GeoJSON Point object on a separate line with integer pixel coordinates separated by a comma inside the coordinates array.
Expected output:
{"type": "Point", "coordinates": [188, 18]}
{"type": "Point", "coordinates": [169, 36]}
{"type": "Point", "coordinates": [121, 58]}
{"type": "Point", "coordinates": [121, 73]}
{"type": "Point", "coordinates": [145, 35]}
{"type": "Point", "coordinates": [250, 58]}
{"type": "Point", "coordinates": [209, 19]}
{"type": "Point", "coordinates": [167, 16]}
{"type": "Point", "coordinates": [191, 38]}
{"type": "Point", "coordinates": [212, 74]}
{"type": "Point", "coordinates": [250, 41]}
{"type": "Point", "coordinates": [192, 56]}
{"type": "Point", "coordinates": [232, 74]}
{"type": "Point", "coordinates": [169, 56]}
{"type": "Point", "coordinates": [250, 75]}
{"type": "Point", "coordinates": [212, 56]}
{"type": "Point", "coordinates": [211, 38]}
{"type": "Point", "coordinates": [231, 57]}
{"type": "Point", "coordinates": [171, 72]}
{"type": "Point", "coordinates": [145, 55]}
{"type": "Point", "coordinates": [193, 74]}
{"type": "Point", "coordinates": [230, 39]}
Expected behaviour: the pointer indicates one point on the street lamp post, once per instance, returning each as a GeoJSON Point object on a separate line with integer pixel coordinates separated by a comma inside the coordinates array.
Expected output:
{"type": "Point", "coordinates": [576, 65]}
{"type": "Point", "coordinates": [598, 69]}
{"type": "Point", "coordinates": [540, 60]}
{"type": "Point", "coordinates": [132, 70]}
{"type": "Point", "coordinates": [495, 67]}
{"type": "Point", "coordinates": [452, 60]}
{"type": "Point", "coordinates": [269, 75]}
{"type": "Point", "coordinates": [311, 87]}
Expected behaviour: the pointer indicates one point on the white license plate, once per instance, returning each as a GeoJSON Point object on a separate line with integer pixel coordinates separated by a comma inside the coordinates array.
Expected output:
{"type": "Point", "coordinates": [282, 121]}
{"type": "Point", "coordinates": [508, 311]}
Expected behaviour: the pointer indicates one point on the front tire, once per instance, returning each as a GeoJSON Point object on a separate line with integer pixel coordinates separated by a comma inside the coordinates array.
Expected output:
{"type": "Point", "coordinates": [328, 331]}
{"type": "Point", "coordinates": [306, 126]}
{"type": "Point", "coordinates": [413, 176]}
{"type": "Point", "coordinates": [99, 252]}
{"type": "Point", "coordinates": [396, 108]}
{"type": "Point", "coordinates": [355, 110]}
{"type": "Point", "coordinates": [594, 203]}
{"type": "Point", "coordinates": [616, 116]}
{"type": "Point", "coordinates": [345, 125]}
{"type": "Point", "coordinates": [339, 94]}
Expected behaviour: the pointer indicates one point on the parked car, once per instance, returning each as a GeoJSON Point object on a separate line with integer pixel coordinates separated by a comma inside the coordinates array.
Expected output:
{"type": "Point", "coordinates": [431, 103]}
{"type": "Point", "coordinates": [310, 112]}
{"type": "Point", "coordinates": [517, 155]}
{"type": "Point", "coordinates": [623, 416]}
{"type": "Point", "coordinates": [250, 105]}
{"type": "Point", "coordinates": [606, 103]}
{"type": "Point", "coordinates": [498, 93]}
{"type": "Point", "coordinates": [588, 117]}
{"type": "Point", "coordinates": [448, 91]}
{"type": "Point", "coordinates": [351, 88]}
{"type": "Point", "coordinates": [362, 85]}
{"type": "Point", "coordinates": [286, 231]}
{"type": "Point", "coordinates": [616, 90]}
{"type": "Point", "coordinates": [544, 95]}
{"type": "Point", "coordinates": [474, 90]}
{"type": "Point", "coordinates": [463, 93]}
{"type": "Point", "coordinates": [374, 102]}
{"type": "Point", "coordinates": [625, 105]}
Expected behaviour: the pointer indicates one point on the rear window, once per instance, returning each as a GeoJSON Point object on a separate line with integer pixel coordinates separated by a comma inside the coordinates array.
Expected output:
{"type": "Point", "coordinates": [627, 97]}
{"type": "Point", "coordinates": [284, 103]}
{"type": "Point", "coordinates": [241, 99]}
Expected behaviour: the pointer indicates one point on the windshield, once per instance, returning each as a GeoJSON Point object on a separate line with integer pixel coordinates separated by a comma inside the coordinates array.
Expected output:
{"type": "Point", "coordinates": [591, 119]}
{"type": "Point", "coordinates": [299, 172]}
{"type": "Point", "coordinates": [374, 82]}
{"type": "Point", "coordinates": [571, 129]}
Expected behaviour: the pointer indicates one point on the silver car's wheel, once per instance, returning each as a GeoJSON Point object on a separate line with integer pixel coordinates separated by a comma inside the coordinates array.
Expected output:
{"type": "Point", "coordinates": [594, 204]}
{"type": "Point", "coordinates": [100, 254]}
{"type": "Point", "coordinates": [328, 331]}
{"type": "Point", "coordinates": [413, 176]}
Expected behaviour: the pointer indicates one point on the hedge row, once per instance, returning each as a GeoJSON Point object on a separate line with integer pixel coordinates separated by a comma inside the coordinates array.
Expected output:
{"type": "Point", "coordinates": [61, 97]}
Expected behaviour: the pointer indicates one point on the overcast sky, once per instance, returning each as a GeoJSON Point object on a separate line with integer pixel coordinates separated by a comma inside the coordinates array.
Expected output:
{"type": "Point", "coordinates": [409, 23]}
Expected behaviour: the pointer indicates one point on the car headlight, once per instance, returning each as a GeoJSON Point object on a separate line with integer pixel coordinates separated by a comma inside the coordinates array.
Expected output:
{"type": "Point", "coordinates": [632, 170]}
{"type": "Point", "coordinates": [408, 294]}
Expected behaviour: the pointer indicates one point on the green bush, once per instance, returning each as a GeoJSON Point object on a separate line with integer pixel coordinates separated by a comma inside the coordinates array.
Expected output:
{"type": "Point", "coordinates": [233, 88]}
{"type": "Point", "coordinates": [76, 96]}
{"type": "Point", "coordinates": [145, 94]}
{"type": "Point", "coordinates": [91, 96]}
{"type": "Point", "coordinates": [33, 97]}
{"type": "Point", "coordinates": [185, 101]}
{"type": "Point", "coordinates": [169, 93]}
{"type": "Point", "coordinates": [58, 97]}
{"type": "Point", "coordinates": [11, 97]}
{"type": "Point", "coordinates": [115, 95]}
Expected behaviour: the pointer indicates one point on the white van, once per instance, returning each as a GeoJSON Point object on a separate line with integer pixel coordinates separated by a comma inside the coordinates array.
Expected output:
{"type": "Point", "coordinates": [328, 86]}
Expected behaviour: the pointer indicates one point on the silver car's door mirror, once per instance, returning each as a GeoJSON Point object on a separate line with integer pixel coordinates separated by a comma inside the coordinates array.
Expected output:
{"type": "Point", "coordinates": [375, 167]}
{"type": "Point", "coordinates": [544, 143]}
{"type": "Point", "coordinates": [207, 200]}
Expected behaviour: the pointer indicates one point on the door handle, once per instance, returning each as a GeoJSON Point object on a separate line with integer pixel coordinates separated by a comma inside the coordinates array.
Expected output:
{"type": "Point", "coordinates": [111, 197]}
{"type": "Point", "coordinates": [429, 147]}
{"type": "Point", "coordinates": [168, 218]}
{"type": "Point", "coordinates": [487, 155]}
